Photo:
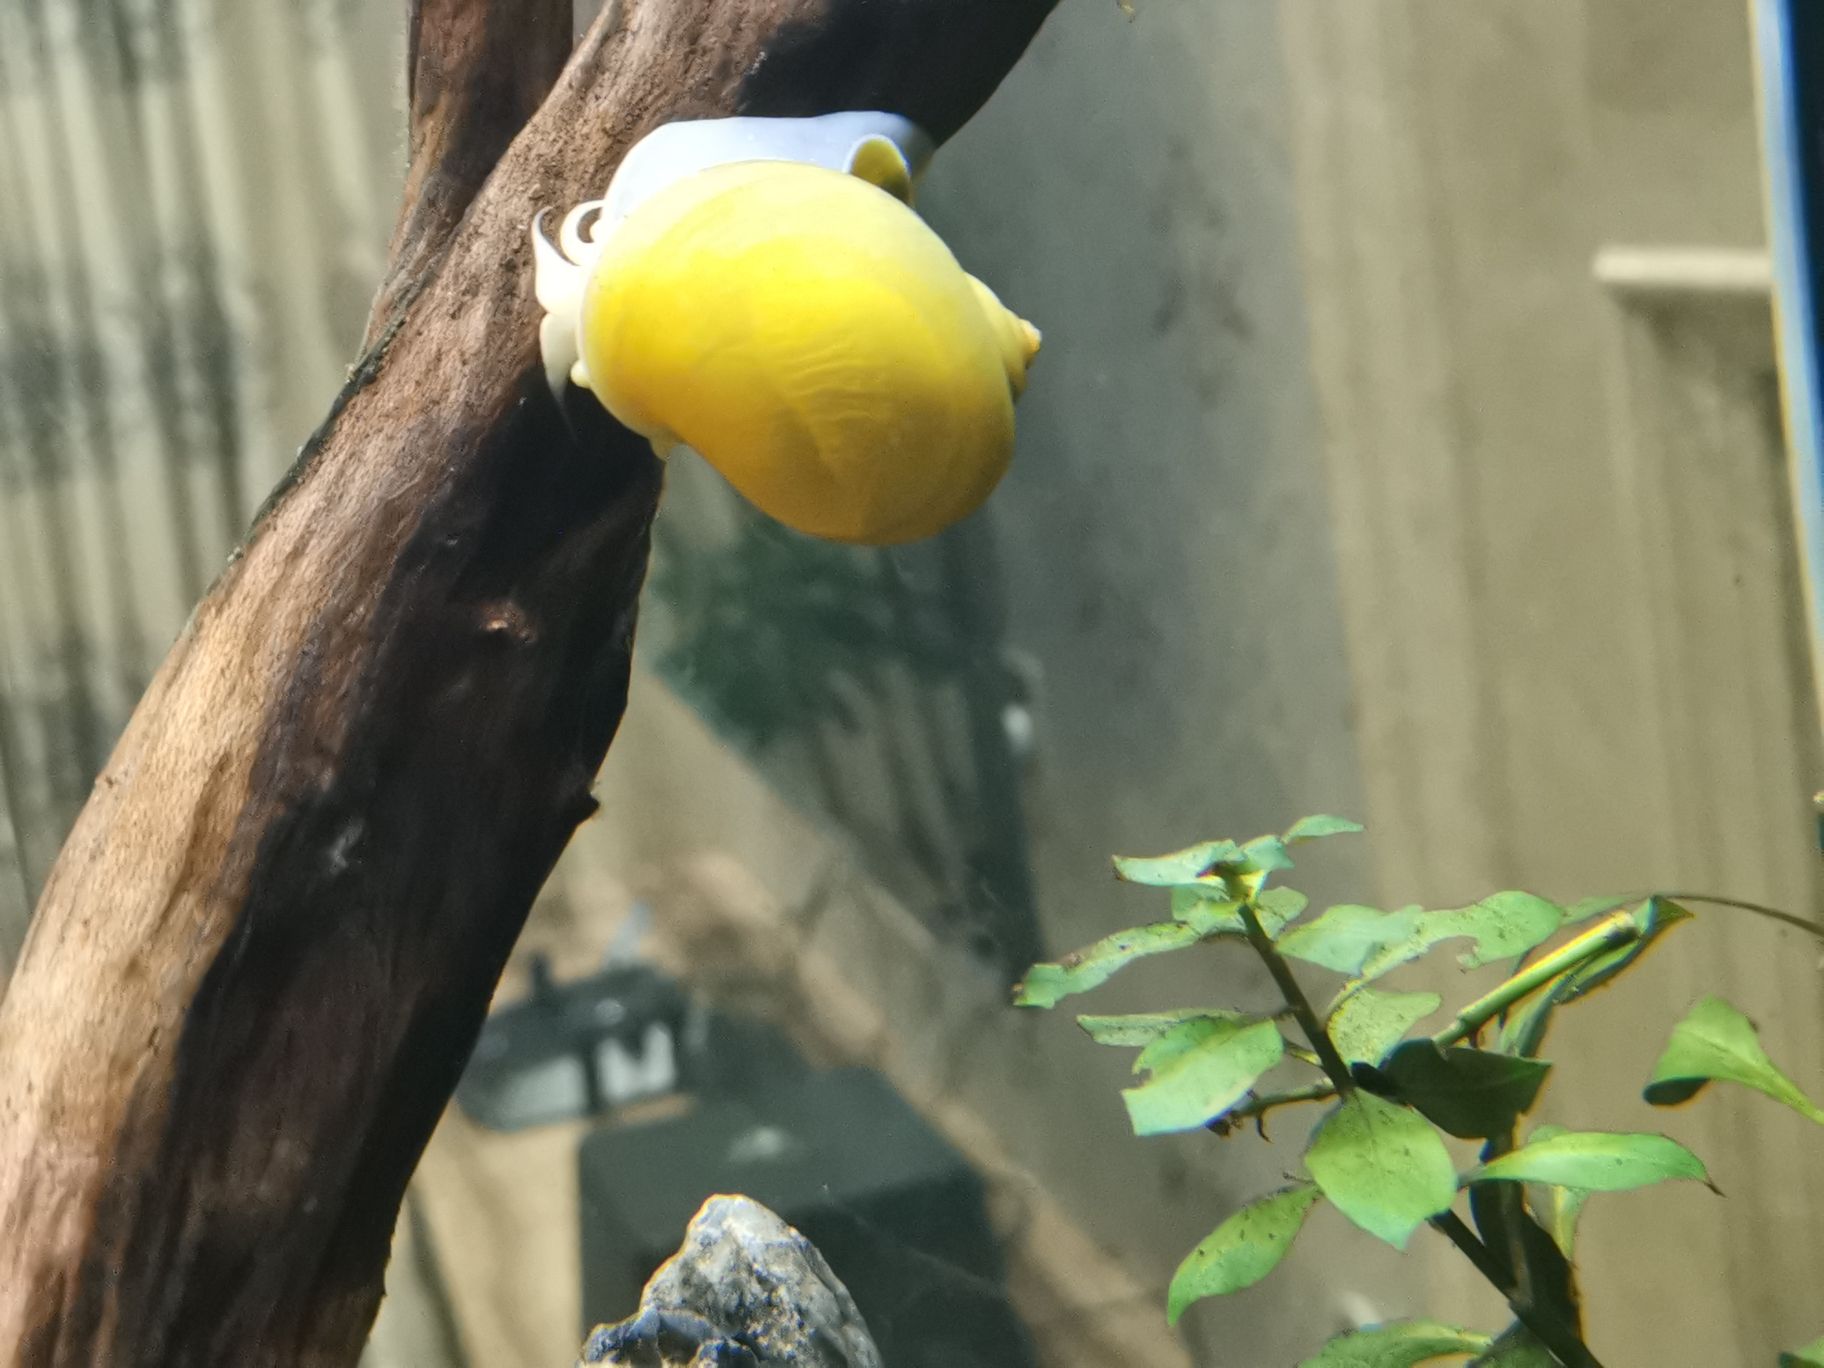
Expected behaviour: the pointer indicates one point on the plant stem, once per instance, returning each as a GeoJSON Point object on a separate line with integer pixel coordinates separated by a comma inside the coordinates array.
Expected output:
{"type": "Point", "coordinates": [1563, 1342]}
{"type": "Point", "coordinates": [1308, 1020]}
{"type": "Point", "coordinates": [1612, 932]}
{"type": "Point", "coordinates": [1260, 1104]}
{"type": "Point", "coordinates": [1759, 909]}
{"type": "Point", "coordinates": [1512, 1202]}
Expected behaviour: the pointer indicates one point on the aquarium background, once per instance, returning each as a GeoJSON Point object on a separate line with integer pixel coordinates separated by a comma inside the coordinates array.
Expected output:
{"type": "Point", "coordinates": [1405, 444]}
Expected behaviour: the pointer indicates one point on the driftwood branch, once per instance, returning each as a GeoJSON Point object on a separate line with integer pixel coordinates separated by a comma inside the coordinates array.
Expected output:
{"type": "Point", "coordinates": [260, 961]}
{"type": "Point", "coordinates": [474, 74]}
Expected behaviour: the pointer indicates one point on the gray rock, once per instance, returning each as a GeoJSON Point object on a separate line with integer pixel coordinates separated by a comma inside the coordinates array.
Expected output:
{"type": "Point", "coordinates": [744, 1290]}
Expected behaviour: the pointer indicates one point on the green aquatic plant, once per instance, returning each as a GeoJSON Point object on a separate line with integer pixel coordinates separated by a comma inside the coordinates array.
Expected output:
{"type": "Point", "coordinates": [1394, 1094]}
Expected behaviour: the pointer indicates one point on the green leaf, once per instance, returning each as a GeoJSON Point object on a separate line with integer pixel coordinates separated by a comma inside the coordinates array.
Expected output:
{"type": "Point", "coordinates": [1597, 1161]}
{"type": "Point", "coordinates": [1243, 867]}
{"type": "Point", "coordinates": [1141, 1028]}
{"type": "Point", "coordinates": [1346, 935]}
{"type": "Point", "coordinates": [1310, 828]}
{"type": "Point", "coordinates": [1472, 1094]}
{"type": "Point", "coordinates": [1045, 985]}
{"type": "Point", "coordinates": [1207, 906]}
{"type": "Point", "coordinates": [1264, 855]}
{"type": "Point", "coordinates": [1502, 925]}
{"type": "Point", "coordinates": [1189, 1036]}
{"type": "Point", "coordinates": [1811, 1356]}
{"type": "Point", "coordinates": [1716, 1043]}
{"type": "Point", "coordinates": [1383, 1166]}
{"type": "Point", "coordinates": [1525, 1030]}
{"type": "Point", "coordinates": [1218, 870]}
{"type": "Point", "coordinates": [1242, 1250]}
{"type": "Point", "coordinates": [1278, 907]}
{"type": "Point", "coordinates": [1369, 1022]}
{"type": "Point", "coordinates": [1516, 1348]}
{"type": "Point", "coordinates": [1588, 909]}
{"type": "Point", "coordinates": [1561, 1206]}
{"type": "Point", "coordinates": [1199, 1070]}
{"type": "Point", "coordinates": [1399, 1345]}
{"type": "Point", "coordinates": [1209, 909]}
{"type": "Point", "coordinates": [1179, 867]}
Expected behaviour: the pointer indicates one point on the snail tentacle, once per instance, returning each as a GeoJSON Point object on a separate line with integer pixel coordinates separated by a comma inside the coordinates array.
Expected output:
{"type": "Point", "coordinates": [558, 281]}
{"type": "Point", "coordinates": [580, 247]}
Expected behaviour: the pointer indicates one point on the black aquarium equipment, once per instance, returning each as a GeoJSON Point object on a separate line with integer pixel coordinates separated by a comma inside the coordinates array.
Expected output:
{"type": "Point", "coordinates": [580, 1048]}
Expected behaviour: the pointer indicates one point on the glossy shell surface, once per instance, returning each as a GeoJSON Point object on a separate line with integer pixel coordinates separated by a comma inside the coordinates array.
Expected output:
{"type": "Point", "coordinates": [814, 340]}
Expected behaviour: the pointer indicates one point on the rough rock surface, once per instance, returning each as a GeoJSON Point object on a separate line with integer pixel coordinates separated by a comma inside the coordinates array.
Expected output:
{"type": "Point", "coordinates": [744, 1290]}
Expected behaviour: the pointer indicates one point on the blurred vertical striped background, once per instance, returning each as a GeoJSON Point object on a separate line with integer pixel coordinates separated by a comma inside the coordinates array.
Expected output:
{"type": "Point", "coordinates": [195, 197]}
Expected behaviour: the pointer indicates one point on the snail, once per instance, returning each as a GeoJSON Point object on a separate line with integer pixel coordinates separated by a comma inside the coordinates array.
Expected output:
{"type": "Point", "coordinates": [762, 292]}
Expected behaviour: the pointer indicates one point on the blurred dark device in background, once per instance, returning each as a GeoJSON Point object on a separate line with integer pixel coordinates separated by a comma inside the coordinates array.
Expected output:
{"type": "Point", "coordinates": [899, 1214]}
{"type": "Point", "coordinates": [576, 1049]}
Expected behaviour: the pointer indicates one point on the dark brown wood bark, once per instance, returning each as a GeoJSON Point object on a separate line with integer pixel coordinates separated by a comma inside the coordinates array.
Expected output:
{"type": "Point", "coordinates": [262, 957]}
{"type": "Point", "coordinates": [474, 74]}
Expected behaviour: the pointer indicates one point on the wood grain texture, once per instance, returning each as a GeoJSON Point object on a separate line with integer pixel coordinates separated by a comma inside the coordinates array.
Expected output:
{"type": "Point", "coordinates": [474, 75]}
{"type": "Point", "coordinates": [264, 952]}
